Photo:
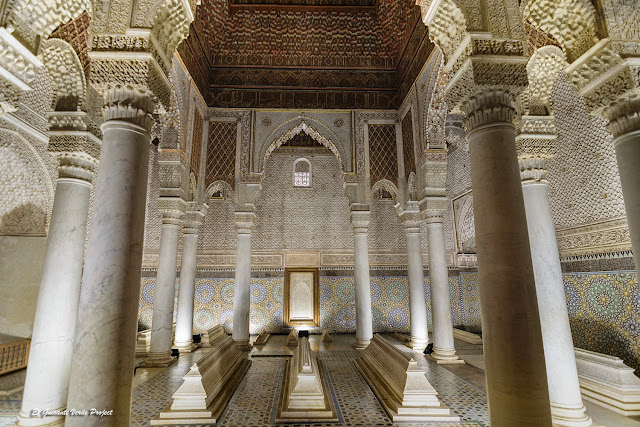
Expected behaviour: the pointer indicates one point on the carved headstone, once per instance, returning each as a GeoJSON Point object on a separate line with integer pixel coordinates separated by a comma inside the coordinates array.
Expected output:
{"type": "Point", "coordinates": [292, 338]}
{"type": "Point", "coordinates": [400, 385]}
{"type": "Point", "coordinates": [304, 395]}
{"type": "Point", "coordinates": [208, 386]}
{"type": "Point", "coordinates": [212, 335]}
{"type": "Point", "coordinates": [262, 338]}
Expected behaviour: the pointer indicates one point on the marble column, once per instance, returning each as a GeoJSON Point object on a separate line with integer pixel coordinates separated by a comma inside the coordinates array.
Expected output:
{"type": "Point", "coordinates": [245, 222]}
{"type": "Point", "coordinates": [513, 348]}
{"type": "Point", "coordinates": [624, 124]}
{"type": "Point", "coordinates": [417, 300]}
{"type": "Point", "coordinates": [444, 351]}
{"type": "Point", "coordinates": [105, 340]}
{"type": "Point", "coordinates": [47, 381]}
{"type": "Point", "coordinates": [567, 408]}
{"type": "Point", "coordinates": [184, 322]}
{"type": "Point", "coordinates": [172, 209]}
{"type": "Point", "coordinates": [364, 321]}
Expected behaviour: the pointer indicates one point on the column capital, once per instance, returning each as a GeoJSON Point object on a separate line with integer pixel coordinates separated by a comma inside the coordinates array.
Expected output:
{"type": "Point", "coordinates": [126, 103]}
{"type": "Point", "coordinates": [535, 143]}
{"type": "Point", "coordinates": [245, 222]}
{"type": "Point", "coordinates": [411, 219]}
{"type": "Point", "coordinates": [432, 209]}
{"type": "Point", "coordinates": [486, 107]}
{"type": "Point", "coordinates": [172, 209]}
{"type": "Point", "coordinates": [194, 217]}
{"type": "Point", "coordinates": [360, 221]}
{"type": "Point", "coordinates": [76, 149]}
{"type": "Point", "coordinates": [624, 115]}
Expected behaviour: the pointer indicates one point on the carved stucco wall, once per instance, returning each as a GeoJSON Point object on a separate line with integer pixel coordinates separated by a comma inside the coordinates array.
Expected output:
{"type": "Point", "coordinates": [153, 217]}
{"type": "Point", "coordinates": [584, 184]}
{"type": "Point", "coordinates": [27, 170]}
{"type": "Point", "coordinates": [302, 218]}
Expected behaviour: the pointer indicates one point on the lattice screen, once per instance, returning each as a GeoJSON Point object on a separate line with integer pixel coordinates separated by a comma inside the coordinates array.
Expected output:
{"type": "Point", "coordinates": [407, 145]}
{"type": "Point", "coordinates": [221, 152]}
{"type": "Point", "coordinates": [383, 158]}
{"type": "Point", "coordinates": [196, 141]}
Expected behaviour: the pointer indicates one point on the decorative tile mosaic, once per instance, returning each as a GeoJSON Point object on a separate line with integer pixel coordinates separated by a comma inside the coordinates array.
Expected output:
{"type": "Point", "coordinates": [604, 312]}
{"type": "Point", "coordinates": [470, 295]}
{"type": "Point", "coordinates": [389, 304]}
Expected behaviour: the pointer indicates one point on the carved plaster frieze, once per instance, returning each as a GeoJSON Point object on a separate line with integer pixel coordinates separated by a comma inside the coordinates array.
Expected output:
{"type": "Point", "coordinates": [600, 237]}
{"type": "Point", "coordinates": [467, 260]}
{"type": "Point", "coordinates": [302, 259]}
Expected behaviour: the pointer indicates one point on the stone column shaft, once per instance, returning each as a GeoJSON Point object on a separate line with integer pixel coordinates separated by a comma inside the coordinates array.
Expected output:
{"type": "Point", "coordinates": [241, 295]}
{"type": "Point", "coordinates": [104, 347]}
{"type": "Point", "coordinates": [47, 381]}
{"type": "Point", "coordinates": [567, 408]}
{"type": "Point", "coordinates": [364, 321]}
{"type": "Point", "coordinates": [627, 146]}
{"type": "Point", "coordinates": [417, 300]}
{"type": "Point", "coordinates": [513, 348]}
{"type": "Point", "coordinates": [162, 321]}
{"type": "Point", "coordinates": [444, 350]}
{"type": "Point", "coordinates": [184, 321]}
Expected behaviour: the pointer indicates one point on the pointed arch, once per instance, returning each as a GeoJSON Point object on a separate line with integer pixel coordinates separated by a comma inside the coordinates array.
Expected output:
{"type": "Point", "coordinates": [280, 136]}
{"type": "Point", "coordinates": [388, 186]}
{"type": "Point", "coordinates": [222, 186]}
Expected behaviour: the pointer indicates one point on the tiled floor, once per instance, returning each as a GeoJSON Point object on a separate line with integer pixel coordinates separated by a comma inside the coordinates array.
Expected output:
{"type": "Point", "coordinates": [460, 387]}
{"type": "Point", "coordinates": [255, 400]}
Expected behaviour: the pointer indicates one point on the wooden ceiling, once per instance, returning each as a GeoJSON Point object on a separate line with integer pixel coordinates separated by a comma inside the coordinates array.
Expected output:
{"type": "Point", "coordinates": [306, 53]}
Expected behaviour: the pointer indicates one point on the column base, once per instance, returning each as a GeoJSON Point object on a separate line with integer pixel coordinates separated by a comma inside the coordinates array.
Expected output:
{"type": "Point", "coordinates": [244, 345]}
{"type": "Point", "coordinates": [24, 420]}
{"type": "Point", "coordinates": [158, 360]}
{"type": "Point", "coordinates": [185, 347]}
{"type": "Point", "coordinates": [417, 344]}
{"type": "Point", "coordinates": [570, 416]}
{"type": "Point", "coordinates": [361, 343]}
{"type": "Point", "coordinates": [445, 357]}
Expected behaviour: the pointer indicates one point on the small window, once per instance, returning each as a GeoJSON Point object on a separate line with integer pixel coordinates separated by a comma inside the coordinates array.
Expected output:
{"type": "Point", "coordinates": [302, 173]}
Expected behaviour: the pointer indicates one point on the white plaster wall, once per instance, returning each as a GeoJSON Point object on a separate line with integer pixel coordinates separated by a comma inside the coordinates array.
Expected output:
{"type": "Point", "coordinates": [21, 259]}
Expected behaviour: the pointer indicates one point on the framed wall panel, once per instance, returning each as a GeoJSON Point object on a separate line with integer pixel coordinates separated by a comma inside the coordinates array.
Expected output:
{"type": "Point", "coordinates": [301, 297]}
